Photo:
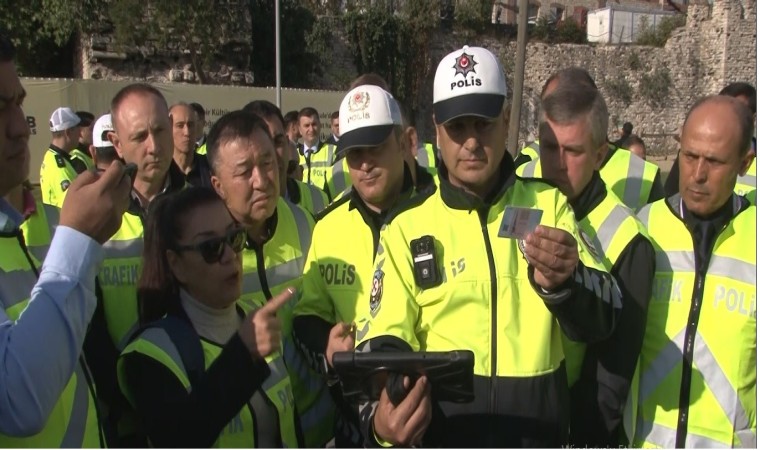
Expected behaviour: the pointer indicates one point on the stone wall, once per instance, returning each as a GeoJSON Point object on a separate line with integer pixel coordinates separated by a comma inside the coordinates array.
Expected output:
{"type": "Point", "coordinates": [717, 46]}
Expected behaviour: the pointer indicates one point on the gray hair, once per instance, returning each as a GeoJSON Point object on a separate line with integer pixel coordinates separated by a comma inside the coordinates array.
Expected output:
{"type": "Point", "coordinates": [569, 104]}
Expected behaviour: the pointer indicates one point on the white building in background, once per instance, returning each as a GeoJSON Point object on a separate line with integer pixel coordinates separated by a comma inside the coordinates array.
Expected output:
{"type": "Point", "coordinates": [619, 24]}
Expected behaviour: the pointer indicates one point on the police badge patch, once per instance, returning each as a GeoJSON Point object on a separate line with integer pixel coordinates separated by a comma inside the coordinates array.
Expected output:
{"type": "Point", "coordinates": [521, 246]}
{"type": "Point", "coordinates": [376, 294]}
{"type": "Point", "coordinates": [589, 244]}
{"type": "Point", "coordinates": [65, 185]}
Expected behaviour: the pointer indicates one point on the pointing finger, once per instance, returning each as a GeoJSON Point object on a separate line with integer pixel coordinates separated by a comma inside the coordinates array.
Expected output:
{"type": "Point", "coordinates": [278, 300]}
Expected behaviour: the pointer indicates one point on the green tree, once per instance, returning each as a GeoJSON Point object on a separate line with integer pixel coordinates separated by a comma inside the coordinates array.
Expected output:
{"type": "Point", "coordinates": [44, 32]}
{"type": "Point", "coordinates": [474, 15]}
{"type": "Point", "coordinates": [200, 27]}
{"type": "Point", "coordinates": [658, 35]}
{"type": "Point", "coordinates": [394, 44]}
{"type": "Point", "coordinates": [297, 62]}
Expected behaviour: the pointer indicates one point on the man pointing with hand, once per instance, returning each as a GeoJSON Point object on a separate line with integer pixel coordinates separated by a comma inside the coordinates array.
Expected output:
{"type": "Point", "coordinates": [451, 276]}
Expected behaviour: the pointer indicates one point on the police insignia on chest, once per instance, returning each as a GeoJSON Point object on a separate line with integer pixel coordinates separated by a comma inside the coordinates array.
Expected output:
{"type": "Point", "coordinates": [589, 244]}
{"type": "Point", "coordinates": [65, 185]}
{"type": "Point", "coordinates": [521, 246]}
{"type": "Point", "coordinates": [376, 294]}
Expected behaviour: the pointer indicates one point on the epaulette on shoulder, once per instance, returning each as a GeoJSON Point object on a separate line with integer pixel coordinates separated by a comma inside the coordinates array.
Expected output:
{"type": "Point", "coordinates": [332, 207]}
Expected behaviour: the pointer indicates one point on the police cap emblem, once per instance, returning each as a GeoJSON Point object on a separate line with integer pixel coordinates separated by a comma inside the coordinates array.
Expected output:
{"type": "Point", "coordinates": [464, 64]}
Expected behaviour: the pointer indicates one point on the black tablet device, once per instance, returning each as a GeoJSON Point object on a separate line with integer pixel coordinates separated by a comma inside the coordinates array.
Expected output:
{"type": "Point", "coordinates": [363, 375]}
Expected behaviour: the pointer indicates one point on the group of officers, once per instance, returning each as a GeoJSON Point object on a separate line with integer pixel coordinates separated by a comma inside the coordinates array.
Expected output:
{"type": "Point", "coordinates": [626, 317]}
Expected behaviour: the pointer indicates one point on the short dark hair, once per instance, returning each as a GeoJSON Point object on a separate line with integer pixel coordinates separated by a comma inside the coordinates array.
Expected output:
{"type": "Point", "coordinates": [742, 89]}
{"type": "Point", "coordinates": [157, 289]}
{"type": "Point", "coordinates": [7, 49]}
{"type": "Point", "coordinates": [199, 110]}
{"type": "Point", "coordinates": [290, 117]}
{"type": "Point", "coordinates": [570, 76]}
{"type": "Point", "coordinates": [335, 115]}
{"type": "Point", "coordinates": [264, 109]}
{"type": "Point", "coordinates": [628, 128]}
{"type": "Point", "coordinates": [743, 116]}
{"type": "Point", "coordinates": [231, 126]}
{"type": "Point", "coordinates": [126, 91]}
{"type": "Point", "coordinates": [568, 104]}
{"type": "Point", "coordinates": [631, 140]}
{"type": "Point", "coordinates": [308, 112]}
{"type": "Point", "coordinates": [85, 118]}
{"type": "Point", "coordinates": [106, 155]}
{"type": "Point", "coordinates": [372, 79]}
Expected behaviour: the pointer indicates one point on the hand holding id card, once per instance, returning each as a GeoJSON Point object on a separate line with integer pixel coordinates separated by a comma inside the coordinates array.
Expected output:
{"type": "Point", "coordinates": [517, 222]}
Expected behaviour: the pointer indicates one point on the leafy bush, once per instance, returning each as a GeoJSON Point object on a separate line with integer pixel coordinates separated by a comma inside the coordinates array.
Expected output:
{"type": "Point", "coordinates": [620, 89]}
{"type": "Point", "coordinates": [568, 31]}
{"type": "Point", "coordinates": [659, 35]}
{"type": "Point", "coordinates": [564, 32]}
{"type": "Point", "coordinates": [654, 88]}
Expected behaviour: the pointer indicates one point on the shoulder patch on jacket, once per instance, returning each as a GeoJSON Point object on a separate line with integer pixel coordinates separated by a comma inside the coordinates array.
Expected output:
{"type": "Point", "coordinates": [60, 161]}
{"type": "Point", "coordinates": [376, 294]}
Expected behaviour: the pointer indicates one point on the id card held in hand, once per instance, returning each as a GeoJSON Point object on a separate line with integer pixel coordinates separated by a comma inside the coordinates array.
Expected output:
{"type": "Point", "coordinates": [518, 222]}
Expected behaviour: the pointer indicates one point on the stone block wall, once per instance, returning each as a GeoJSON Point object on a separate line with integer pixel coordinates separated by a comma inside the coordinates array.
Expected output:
{"type": "Point", "coordinates": [717, 46]}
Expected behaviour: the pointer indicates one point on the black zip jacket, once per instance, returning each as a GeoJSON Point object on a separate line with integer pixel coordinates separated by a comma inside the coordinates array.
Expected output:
{"type": "Point", "coordinates": [599, 396]}
{"type": "Point", "coordinates": [530, 411]}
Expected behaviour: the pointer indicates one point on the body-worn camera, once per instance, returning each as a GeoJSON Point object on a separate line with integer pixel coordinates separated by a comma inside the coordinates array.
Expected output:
{"type": "Point", "coordinates": [426, 272]}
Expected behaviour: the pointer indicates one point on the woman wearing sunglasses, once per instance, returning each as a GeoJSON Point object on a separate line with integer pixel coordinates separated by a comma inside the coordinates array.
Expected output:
{"type": "Point", "coordinates": [199, 373]}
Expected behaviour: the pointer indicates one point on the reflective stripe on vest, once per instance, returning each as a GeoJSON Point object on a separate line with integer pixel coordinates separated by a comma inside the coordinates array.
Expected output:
{"type": "Point", "coordinates": [38, 230]}
{"type": "Point", "coordinates": [609, 227]}
{"type": "Point", "coordinates": [532, 150]}
{"type": "Point", "coordinates": [715, 380]}
{"type": "Point", "coordinates": [747, 182]}
{"type": "Point", "coordinates": [339, 178]}
{"type": "Point", "coordinates": [15, 287]}
{"type": "Point", "coordinates": [426, 156]}
{"type": "Point", "coordinates": [317, 203]}
{"type": "Point", "coordinates": [529, 169]}
{"type": "Point", "coordinates": [606, 230]}
{"type": "Point", "coordinates": [73, 421]}
{"type": "Point", "coordinates": [318, 162]}
{"type": "Point", "coordinates": [629, 177]}
{"type": "Point", "coordinates": [634, 181]}
{"type": "Point", "coordinates": [721, 406]}
{"type": "Point", "coordinates": [240, 432]}
{"type": "Point", "coordinates": [312, 397]}
{"type": "Point", "coordinates": [118, 278]}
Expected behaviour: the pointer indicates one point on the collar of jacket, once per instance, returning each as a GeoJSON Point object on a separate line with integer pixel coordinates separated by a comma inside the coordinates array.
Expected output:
{"type": "Point", "coordinates": [733, 206]}
{"type": "Point", "coordinates": [457, 198]}
{"type": "Point", "coordinates": [271, 227]}
{"type": "Point", "coordinates": [318, 146]}
{"type": "Point", "coordinates": [175, 181]}
{"type": "Point", "coordinates": [59, 151]}
{"type": "Point", "coordinates": [591, 196]}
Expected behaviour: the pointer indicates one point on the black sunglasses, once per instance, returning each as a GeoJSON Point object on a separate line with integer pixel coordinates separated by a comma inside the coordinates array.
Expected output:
{"type": "Point", "coordinates": [212, 249]}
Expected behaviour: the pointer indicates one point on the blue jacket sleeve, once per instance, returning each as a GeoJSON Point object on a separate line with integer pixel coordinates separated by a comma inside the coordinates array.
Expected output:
{"type": "Point", "coordinates": [40, 350]}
